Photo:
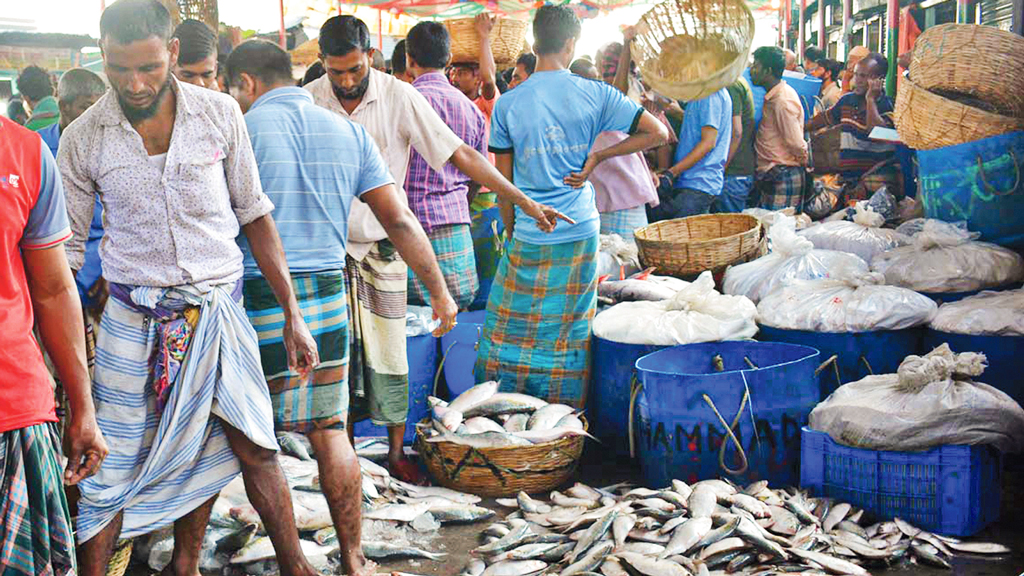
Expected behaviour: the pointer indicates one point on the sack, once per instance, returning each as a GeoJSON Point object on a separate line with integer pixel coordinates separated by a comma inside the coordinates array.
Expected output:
{"type": "Point", "coordinates": [768, 217]}
{"type": "Point", "coordinates": [864, 236]}
{"type": "Point", "coordinates": [931, 401]}
{"type": "Point", "coordinates": [944, 258]}
{"type": "Point", "coordinates": [988, 313]}
{"type": "Point", "coordinates": [856, 303]}
{"type": "Point", "coordinates": [791, 258]}
{"type": "Point", "coordinates": [697, 313]}
{"type": "Point", "coordinates": [617, 258]}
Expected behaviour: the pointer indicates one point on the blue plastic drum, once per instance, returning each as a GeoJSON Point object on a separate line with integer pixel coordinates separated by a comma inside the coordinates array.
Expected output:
{"type": "Point", "coordinates": [858, 354]}
{"type": "Point", "coordinates": [679, 433]}
{"type": "Point", "coordinates": [1005, 356]}
{"type": "Point", "coordinates": [458, 352]}
{"type": "Point", "coordinates": [422, 354]}
{"type": "Point", "coordinates": [612, 375]}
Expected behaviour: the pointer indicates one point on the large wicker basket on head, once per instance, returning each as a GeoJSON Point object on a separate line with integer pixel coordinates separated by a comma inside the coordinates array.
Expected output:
{"type": "Point", "coordinates": [687, 246]}
{"type": "Point", "coordinates": [203, 10]}
{"type": "Point", "coordinates": [500, 471]}
{"type": "Point", "coordinates": [926, 121]}
{"type": "Point", "coordinates": [507, 38]}
{"type": "Point", "coordinates": [689, 49]}
{"type": "Point", "coordinates": [974, 60]}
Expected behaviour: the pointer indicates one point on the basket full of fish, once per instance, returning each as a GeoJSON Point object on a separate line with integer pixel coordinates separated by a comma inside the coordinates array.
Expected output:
{"type": "Point", "coordinates": [710, 527]}
{"type": "Point", "coordinates": [494, 443]}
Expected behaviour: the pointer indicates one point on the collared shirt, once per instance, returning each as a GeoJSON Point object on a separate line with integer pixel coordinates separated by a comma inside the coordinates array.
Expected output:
{"type": "Point", "coordinates": [312, 163]}
{"type": "Point", "coordinates": [166, 227]}
{"type": "Point", "coordinates": [45, 113]}
{"type": "Point", "coordinates": [857, 152]}
{"type": "Point", "coordinates": [399, 118]}
{"type": "Point", "coordinates": [439, 197]}
{"type": "Point", "coordinates": [32, 217]}
{"type": "Point", "coordinates": [780, 137]}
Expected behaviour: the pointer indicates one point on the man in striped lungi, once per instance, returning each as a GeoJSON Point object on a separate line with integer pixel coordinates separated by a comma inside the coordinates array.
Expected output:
{"type": "Point", "coordinates": [298, 146]}
{"type": "Point", "coordinates": [178, 384]}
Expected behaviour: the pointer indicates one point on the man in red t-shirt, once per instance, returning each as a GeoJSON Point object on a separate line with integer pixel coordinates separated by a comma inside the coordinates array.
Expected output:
{"type": "Point", "coordinates": [36, 286]}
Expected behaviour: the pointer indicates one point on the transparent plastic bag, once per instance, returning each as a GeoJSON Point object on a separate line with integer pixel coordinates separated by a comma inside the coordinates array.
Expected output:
{"type": "Point", "coordinates": [617, 256]}
{"type": "Point", "coordinates": [931, 401]}
{"type": "Point", "coordinates": [697, 313]}
{"type": "Point", "coordinates": [944, 257]}
{"type": "Point", "coordinates": [857, 303]}
{"type": "Point", "coordinates": [988, 313]}
{"type": "Point", "coordinates": [768, 217]}
{"type": "Point", "coordinates": [864, 236]}
{"type": "Point", "coordinates": [791, 258]}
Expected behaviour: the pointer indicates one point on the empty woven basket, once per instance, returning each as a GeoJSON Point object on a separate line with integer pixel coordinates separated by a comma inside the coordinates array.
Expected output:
{"type": "Point", "coordinates": [684, 247]}
{"type": "Point", "coordinates": [926, 121]}
{"type": "Point", "coordinates": [507, 38]}
{"type": "Point", "coordinates": [203, 10]}
{"type": "Point", "coordinates": [689, 49]}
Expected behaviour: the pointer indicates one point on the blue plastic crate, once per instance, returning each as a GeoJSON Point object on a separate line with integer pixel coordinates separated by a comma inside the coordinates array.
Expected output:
{"type": "Point", "coordinates": [952, 490]}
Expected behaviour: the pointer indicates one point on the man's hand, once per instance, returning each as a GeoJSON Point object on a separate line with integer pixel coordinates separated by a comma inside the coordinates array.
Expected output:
{"type": "Point", "coordinates": [84, 446]}
{"type": "Point", "coordinates": [628, 34]}
{"type": "Point", "coordinates": [545, 216]}
{"type": "Point", "coordinates": [875, 88]}
{"type": "Point", "coordinates": [444, 310]}
{"type": "Point", "coordinates": [578, 179]}
{"type": "Point", "coordinates": [99, 294]}
{"type": "Point", "coordinates": [303, 356]}
{"type": "Point", "coordinates": [484, 24]}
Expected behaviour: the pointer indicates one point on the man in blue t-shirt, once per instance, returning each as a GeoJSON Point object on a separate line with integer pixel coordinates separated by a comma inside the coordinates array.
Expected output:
{"type": "Point", "coordinates": [699, 169]}
{"type": "Point", "coordinates": [537, 331]}
{"type": "Point", "coordinates": [313, 164]}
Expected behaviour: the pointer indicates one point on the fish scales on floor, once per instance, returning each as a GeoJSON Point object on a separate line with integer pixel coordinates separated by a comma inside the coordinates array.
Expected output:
{"type": "Point", "coordinates": [482, 417]}
{"type": "Point", "coordinates": [709, 528]}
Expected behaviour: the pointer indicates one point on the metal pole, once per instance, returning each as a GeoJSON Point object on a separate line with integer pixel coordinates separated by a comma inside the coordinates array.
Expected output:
{"type": "Point", "coordinates": [789, 17]}
{"type": "Point", "coordinates": [821, 25]}
{"type": "Point", "coordinates": [847, 27]}
{"type": "Point", "coordinates": [782, 24]}
{"type": "Point", "coordinates": [892, 44]}
{"type": "Point", "coordinates": [802, 33]}
{"type": "Point", "coordinates": [103, 5]}
{"type": "Point", "coordinates": [1016, 26]}
{"type": "Point", "coordinates": [282, 37]}
{"type": "Point", "coordinates": [380, 31]}
{"type": "Point", "coordinates": [963, 11]}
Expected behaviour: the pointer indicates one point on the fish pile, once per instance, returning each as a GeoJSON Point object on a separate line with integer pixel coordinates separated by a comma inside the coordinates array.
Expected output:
{"type": "Point", "coordinates": [398, 519]}
{"type": "Point", "coordinates": [709, 528]}
{"type": "Point", "coordinates": [482, 417]}
{"type": "Point", "coordinates": [642, 286]}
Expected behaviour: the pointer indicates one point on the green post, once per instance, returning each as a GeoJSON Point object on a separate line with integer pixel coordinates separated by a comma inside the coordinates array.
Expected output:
{"type": "Point", "coordinates": [892, 45]}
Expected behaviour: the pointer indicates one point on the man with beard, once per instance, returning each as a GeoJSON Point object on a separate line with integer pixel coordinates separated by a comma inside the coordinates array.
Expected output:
{"type": "Point", "coordinates": [178, 379]}
{"type": "Point", "coordinates": [399, 119]}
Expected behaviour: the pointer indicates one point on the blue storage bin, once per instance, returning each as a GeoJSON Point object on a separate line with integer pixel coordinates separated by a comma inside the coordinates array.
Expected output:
{"type": "Point", "coordinates": [679, 434]}
{"type": "Point", "coordinates": [855, 351]}
{"type": "Point", "coordinates": [421, 352]}
{"type": "Point", "coordinates": [944, 297]}
{"type": "Point", "coordinates": [612, 377]}
{"type": "Point", "coordinates": [1005, 356]}
{"type": "Point", "coordinates": [952, 490]}
{"type": "Point", "coordinates": [807, 87]}
{"type": "Point", "coordinates": [458, 352]}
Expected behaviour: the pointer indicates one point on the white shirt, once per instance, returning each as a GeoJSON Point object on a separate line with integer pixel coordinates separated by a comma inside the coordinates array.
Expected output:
{"type": "Point", "coordinates": [398, 117]}
{"type": "Point", "coordinates": [168, 225]}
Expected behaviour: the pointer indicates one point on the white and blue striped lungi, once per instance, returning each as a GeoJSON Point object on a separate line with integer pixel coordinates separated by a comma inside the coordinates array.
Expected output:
{"type": "Point", "coordinates": [624, 222]}
{"type": "Point", "coordinates": [164, 465]}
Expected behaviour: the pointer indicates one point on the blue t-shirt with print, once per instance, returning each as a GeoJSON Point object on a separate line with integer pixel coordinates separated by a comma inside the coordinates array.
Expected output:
{"type": "Point", "coordinates": [708, 174]}
{"type": "Point", "coordinates": [549, 124]}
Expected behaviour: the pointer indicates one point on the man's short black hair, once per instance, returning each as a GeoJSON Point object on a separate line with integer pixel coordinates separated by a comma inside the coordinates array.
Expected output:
{"type": "Point", "coordinates": [553, 26]}
{"type": "Point", "coordinates": [881, 64]}
{"type": "Point", "coordinates": [35, 83]}
{"type": "Point", "coordinates": [260, 59]}
{"type": "Point", "coordinates": [529, 61]}
{"type": "Point", "coordinates": [814, 54]}
{"type": "Point", "coordinates": [398, 63]}
{"type": "Point", "coordinates": [342, 34]}
{"type": "Point", "coordinates": [197, 42]}
{"type": "Point", "coordinates": [127, 21]}
{"type": "Point", "coordinates": [833, 68]}
{"type": "Point", "coordinates": [772, 59]}
{"type": "Point", "coordinates": [429, 44]}
{"type": "Point", "coordinates": [315, 71]}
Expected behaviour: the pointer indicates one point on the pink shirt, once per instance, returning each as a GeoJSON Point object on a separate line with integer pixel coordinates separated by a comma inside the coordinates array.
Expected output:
{"type": "Point", "coordinates": [622, 182]}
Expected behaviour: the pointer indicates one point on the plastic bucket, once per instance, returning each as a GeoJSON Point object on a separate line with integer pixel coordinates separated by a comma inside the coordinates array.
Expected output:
{"type": "Point", "coordinates": [422, 354]}
{"type": "Point", "coordinates": [612, 374]}
{"type": "Point", "coordinates": [458, 352]}
{"type": "Point", "coordinates": [980, 182]}
{"type": "Point", "coordinates": [679, 434]}
{"type": "Point", "coordinates": [807, 87]}
{"type": "Point", "coordinates": [1005, 356]}
{"type": "Point", "coordinates": [858, 354]}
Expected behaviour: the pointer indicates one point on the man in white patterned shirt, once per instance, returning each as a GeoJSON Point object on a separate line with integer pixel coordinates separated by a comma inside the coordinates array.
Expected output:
{"type": "Point", "coordinates": [178, 384]}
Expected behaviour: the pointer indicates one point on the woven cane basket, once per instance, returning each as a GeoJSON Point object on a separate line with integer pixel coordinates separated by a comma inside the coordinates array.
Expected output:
{"type": "Point", "coordinates": [689, 49]}
{"type": "Point", "coordinates": [926, 121]}
{"type": "Point", "coordinates": [203, 10]}
{"type": "Point", "coordinates": [983, 62]}
{"type": "Point", "coordinates": [687, 246]}
{"type": "Point", "coordinates": [500, 471]}
{"type": "Point", "coordinates": [120, 559]}
{"type": "Point", "coordinates": [507, 39]}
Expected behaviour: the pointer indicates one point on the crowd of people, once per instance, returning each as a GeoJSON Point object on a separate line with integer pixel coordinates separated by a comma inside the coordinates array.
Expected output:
{"type": "Point", "coordinates": [211, 253]}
